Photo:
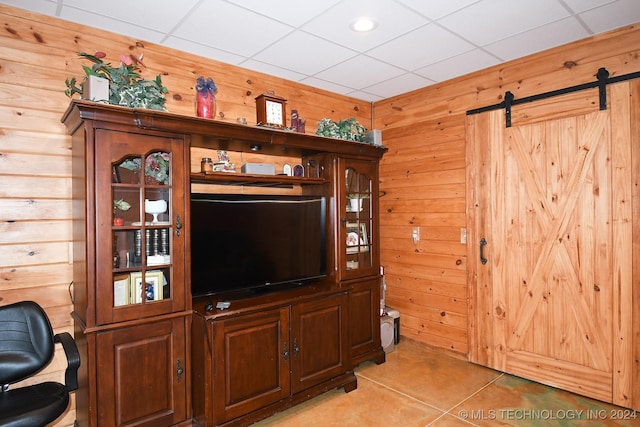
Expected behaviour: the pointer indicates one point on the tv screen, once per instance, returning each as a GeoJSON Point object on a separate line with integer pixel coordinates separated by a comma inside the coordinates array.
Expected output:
{"type": "Point", "coordinates": [242, 242]}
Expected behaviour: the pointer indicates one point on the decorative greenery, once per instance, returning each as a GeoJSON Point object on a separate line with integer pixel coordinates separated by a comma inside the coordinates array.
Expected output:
{"type": "Point", "coordinates": [348, 129]}
{"type": "Point", "coordinates": [156, 166]}
{"type": "Point", "coordinates": [126, 85]}
{"type": "Point", "coordinates": [121, 204]}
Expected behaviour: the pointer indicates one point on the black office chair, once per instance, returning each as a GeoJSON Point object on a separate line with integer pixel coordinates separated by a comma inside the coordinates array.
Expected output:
{"type": "Point", "coordinates": [27, 346]}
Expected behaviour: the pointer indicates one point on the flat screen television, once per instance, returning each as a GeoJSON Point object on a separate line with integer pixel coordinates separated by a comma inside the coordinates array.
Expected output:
{"type": "Point", "coordinates": [256, 242]}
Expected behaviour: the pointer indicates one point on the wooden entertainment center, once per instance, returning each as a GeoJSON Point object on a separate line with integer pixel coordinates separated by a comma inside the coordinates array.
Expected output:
{"type": "Point", "coordinates": [152, 355]}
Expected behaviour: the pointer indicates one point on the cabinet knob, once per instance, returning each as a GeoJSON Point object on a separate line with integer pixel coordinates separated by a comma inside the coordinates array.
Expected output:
{"type": "Point", "coordinates": [285, 353]}
{"type": "Point", "coordinates": [179, 370]}
{"type": "Point", "coordinates": [296, 349]}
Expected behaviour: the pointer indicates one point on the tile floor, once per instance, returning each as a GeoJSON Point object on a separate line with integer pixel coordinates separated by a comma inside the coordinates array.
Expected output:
{"type": "Point", "coordinates": [419, 387]}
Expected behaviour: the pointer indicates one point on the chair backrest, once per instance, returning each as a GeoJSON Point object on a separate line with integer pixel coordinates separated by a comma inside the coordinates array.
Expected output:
{"type": "Point", "coordinates": [26, 341]}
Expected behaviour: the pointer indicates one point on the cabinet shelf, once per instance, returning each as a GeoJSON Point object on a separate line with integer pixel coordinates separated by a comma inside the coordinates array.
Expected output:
{"type": "Point", "coordinates": [255, 180]}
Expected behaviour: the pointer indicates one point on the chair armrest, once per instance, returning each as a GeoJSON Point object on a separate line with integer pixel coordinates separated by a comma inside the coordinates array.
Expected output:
{"type": "Point", "coordinates": [73, 359]}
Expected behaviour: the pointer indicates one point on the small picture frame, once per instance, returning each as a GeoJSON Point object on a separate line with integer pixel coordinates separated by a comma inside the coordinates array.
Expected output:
{"type": "Point", "coordinates": [298, 170]}
{"type": "Point", "coordinates": [357, 238]}
{"type": "Point", "coordinates": [153, 287]}
{"type": "Point", "coordinates": [121, 290]}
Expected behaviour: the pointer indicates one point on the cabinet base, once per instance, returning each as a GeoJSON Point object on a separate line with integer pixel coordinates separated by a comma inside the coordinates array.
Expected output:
{"type": "Point", "coordinates": [348, 381]}
{"type": "Point", "coordinates": [378, 356]}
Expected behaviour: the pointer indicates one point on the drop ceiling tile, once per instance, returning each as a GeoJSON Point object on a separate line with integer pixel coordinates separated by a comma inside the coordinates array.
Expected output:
{"type": "Point", "coordinates": [150, 14]}
{"type": "Point", "coordinates": [300, 41]}
{"type": "Point", "coordinates": [230, 28]}
{"type": "Point", "coordinates": [272, 70]}
{"type": "Point", "coordinates": [578, 6]}
{"type": "Point", "coordinates": [203, 50]}
{"type": "Point", "coordinates": [458, 65]}
{"type": "Point", "coordinates": [436, 9]}
{"type": "Point", "coordinates": [334, 24]}
{"type": "Point", "coordinates": [359, 72]}
{"type": "Point", "coordinates": [114, 26]}
{"type": "Point", "coordinates": [400, 84]}
{"type": "Point", "coordinates": [286, 11]}
{"type": "Point", "coordinates": [304, 53]}
{"type": "Point", "coordinates": [45, 7]}
{"type": "Point", "coordinates": [488, 21]}
{"type": "Point", "coordinates": [364, 96]}
{"type": "Point", "coordinates": [421, 47]}
{"type": "Point", "coordinates": [612, 15]}
{"type": "Point", "coordinates": [325, 85]}
{"type": "Point", "coordinates": [538, 39]}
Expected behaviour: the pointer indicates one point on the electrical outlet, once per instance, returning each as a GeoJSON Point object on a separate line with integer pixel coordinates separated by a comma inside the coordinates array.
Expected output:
{"type": "Point", "coordinates": [415, 234]}
{"type": "Point", "coordinates": [463, 236]}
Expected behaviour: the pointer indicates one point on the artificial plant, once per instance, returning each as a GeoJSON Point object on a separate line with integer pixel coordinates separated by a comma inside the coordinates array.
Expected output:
{"type": "Point", "coordinates": [126, 85]}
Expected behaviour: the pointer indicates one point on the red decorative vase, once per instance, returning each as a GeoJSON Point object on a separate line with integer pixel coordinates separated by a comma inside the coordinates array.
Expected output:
{"type": "Point", "coordinates": [206, 104]}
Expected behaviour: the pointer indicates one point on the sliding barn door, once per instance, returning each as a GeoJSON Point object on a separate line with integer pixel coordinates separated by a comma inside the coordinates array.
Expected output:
{"type": "Point", "coordinates": [550, 243]}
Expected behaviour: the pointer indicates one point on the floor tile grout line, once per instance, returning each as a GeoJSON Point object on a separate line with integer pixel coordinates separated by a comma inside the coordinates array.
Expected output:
{"type": "Point", "coordinates": [401, 393]}
{"type": "Point", "coordinates": [448, 411]}
{"type": "Point", "coordinates": [443, 412]}
{"type": "Point", "coordinates": [458, 418]}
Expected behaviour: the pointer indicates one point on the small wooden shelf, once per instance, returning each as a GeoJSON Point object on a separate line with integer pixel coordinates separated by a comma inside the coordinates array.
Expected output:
{"type": "Point", "coordinates": [255, 180]}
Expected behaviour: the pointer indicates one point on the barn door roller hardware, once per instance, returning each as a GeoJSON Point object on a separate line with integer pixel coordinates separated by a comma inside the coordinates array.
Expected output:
{"type": "Point", "coordinates": [601, 84]}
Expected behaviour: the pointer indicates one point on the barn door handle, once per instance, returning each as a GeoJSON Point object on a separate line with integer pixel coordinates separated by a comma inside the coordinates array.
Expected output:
{"type": "Point", "coordinates": [483, 243]}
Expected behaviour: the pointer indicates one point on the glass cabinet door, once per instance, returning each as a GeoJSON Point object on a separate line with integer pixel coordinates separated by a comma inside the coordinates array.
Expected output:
{"type": "Point", "coordinates": [140, 223]}
{"type": "Point", "coordinates": [357, 213]}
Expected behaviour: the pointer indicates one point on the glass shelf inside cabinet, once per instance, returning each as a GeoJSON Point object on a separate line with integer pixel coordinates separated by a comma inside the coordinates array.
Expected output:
{"type": "Point", "coordinates": [359, 220]}
{"type": "Point", "coordinates": [141, 232]}
{"type": "Point", "coordinates": [358, 245]}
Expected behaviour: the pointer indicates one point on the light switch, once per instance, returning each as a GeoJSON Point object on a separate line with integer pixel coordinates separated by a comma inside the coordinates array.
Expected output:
{"type": "Point", "coordinates": [463, 236]}
{"type": "Point", "coordinates": [415, 234]}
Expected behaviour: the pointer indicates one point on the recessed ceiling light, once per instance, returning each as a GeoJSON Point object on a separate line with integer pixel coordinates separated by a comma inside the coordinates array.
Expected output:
{"type": "Point", "coordinates": [363, 24]}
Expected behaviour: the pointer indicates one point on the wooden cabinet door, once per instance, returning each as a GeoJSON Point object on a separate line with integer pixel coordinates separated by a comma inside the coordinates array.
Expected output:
{"type": "Point", "coordinates": [250, 363]}
{"type": "Point", "coordinates": [319, 341]}
{"type": "Point", "coordinates": [552, 281]}
{"type": "Point", "coordinates": [357, 246]}
{"type": "Point", "coordinates": [364, 321]}
{"type": "Point", "coordinates": [141, 378]}
{"type": "Point", "coordinates": [140, 261]}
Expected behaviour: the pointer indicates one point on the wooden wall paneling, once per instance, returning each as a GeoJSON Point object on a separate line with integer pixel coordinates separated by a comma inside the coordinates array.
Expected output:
{"type": "Point", "coordinates": [33, 276]}
{"type": "Point", "coordinates": [16, 140]}
{"type": "Point", "coordinates": [447, 339]}
{"type": "Point", "coordinates": [635, 166]}
{"type": "Point", "coordinates": [556, 68]}
{"type": "Point", "coordinates": [423, 185]}
{"type": "Point", "coordinates": [418, 126]}
{"type": "Point", "coordinates": [178, 69]}
{"type": "Point", "coordinates": [37, 54]}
